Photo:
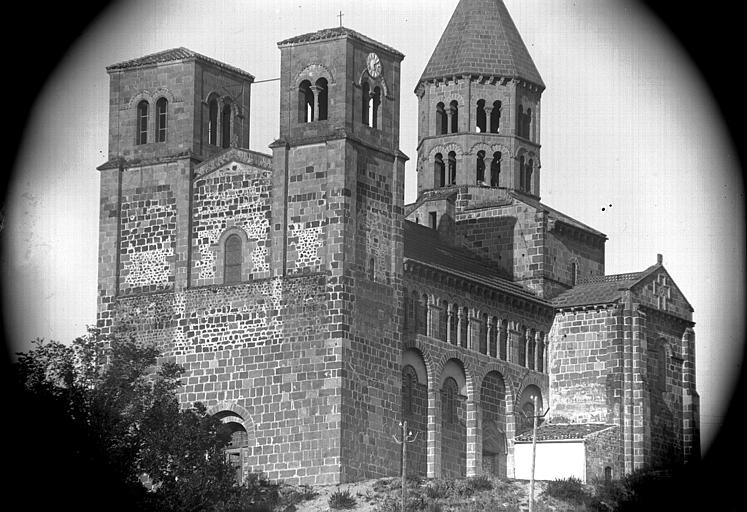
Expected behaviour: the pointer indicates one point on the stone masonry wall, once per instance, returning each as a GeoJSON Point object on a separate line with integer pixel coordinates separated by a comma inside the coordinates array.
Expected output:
{"type": "Point", "coordinates": [602, 451]}
{"type": "Point", "coordinates": [585, 371]}
{"type": "Point", "coordinates": [235, 196]}
{"type": "Point", "coordinates": [265, 347]}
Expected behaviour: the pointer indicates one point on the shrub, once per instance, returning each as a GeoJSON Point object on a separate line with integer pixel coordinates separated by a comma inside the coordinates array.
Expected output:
{"type": "Point", "coordinates": [341, 500]}
{"type": "Point", "coordinates": [479, 483]}
{"type": "Point", "coordinates": [439, 489]}
{"type": "Point", "coordinates": [568, 489]}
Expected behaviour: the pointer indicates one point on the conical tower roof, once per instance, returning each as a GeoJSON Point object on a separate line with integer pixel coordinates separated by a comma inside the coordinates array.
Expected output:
{"type": "Point", "coordinates": [481, 39]}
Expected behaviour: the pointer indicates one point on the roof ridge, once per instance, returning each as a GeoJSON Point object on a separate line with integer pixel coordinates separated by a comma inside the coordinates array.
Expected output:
{"type": "Point", "coordinates": [174, 54]}
{"type": "Point", "coordinates": [334, 32]}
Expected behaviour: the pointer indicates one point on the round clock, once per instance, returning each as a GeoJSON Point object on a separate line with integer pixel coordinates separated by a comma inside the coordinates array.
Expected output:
{"type": "Point", "coordinates": [373, 64]}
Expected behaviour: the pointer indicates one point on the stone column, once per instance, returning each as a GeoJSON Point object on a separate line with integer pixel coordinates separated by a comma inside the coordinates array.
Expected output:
{"type": "Point", "coordinates": [488, 127]}
{"type": "Point", "coordinates": [474, 438]}
{"type": "Point", "coordinates": [527, 344]}
{"type": "Point", "coordinates": [492, 339]}
{"type": "Point", "coordinates": [432, 319]}
{"type": "Point", "coordinates": [473, 334]}
{"type": "Point", "coordinates": [433, 443]}
{"type": "Point", "coordinates": [449, 116]}
{"type": "Point", "coordinates": [449, 322]}
{"type": "Point", "coordinates": [510, 428]}
{"type": "Point", "coordinates": [537, 354]}
{"type": "Point", "coordinates": [315, 91]}
{"type": "Point", "coordinates": [460, 327]}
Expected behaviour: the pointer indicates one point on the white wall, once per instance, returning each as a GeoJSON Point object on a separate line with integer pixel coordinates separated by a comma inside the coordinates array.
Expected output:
{"type": "Point", "coordinates": [554, 460]}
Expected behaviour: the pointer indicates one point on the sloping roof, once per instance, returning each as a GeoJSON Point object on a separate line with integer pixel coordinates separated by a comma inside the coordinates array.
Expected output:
{"type": "Point", "coordinates": [335, 33]}
{"type": "Point", "coordinates": [481, 39]}
{"type": "Point", "coordinates": [423, 245]}
{"type": "Point", "coordinates": [601, 289]}
{"type": "Point", "coordinates": [562, 431]}
{"type": "Point", "coordinates": [605, 290]}
{"type": "Point", "coordinates": [171, 55]}
{"type": "Point", "coordinates": [555, 214]}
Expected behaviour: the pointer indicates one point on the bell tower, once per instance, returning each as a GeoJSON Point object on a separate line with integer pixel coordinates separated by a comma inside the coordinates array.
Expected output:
{"type": "Point", "coordinates": [479, 106]}
{"type": "Point", "coordinates": [338, 193]}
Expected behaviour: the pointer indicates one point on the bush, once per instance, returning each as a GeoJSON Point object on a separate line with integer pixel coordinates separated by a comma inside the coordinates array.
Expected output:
{"type": "Point", "coordinates": [439, 489]}
{"type": "Point", "coordinates": [479, 483]}
{"type": "Point", "coordinates": [342, 500]}
{"type": "Point", "coordinates": [568, 489]}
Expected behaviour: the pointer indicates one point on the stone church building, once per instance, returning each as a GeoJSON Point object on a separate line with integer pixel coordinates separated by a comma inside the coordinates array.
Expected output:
{"type": "Point", "coordinates": [313, 310]}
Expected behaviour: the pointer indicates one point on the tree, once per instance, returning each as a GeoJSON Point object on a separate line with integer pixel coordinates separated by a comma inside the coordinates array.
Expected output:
{"type": "Point", "coordinates": [116, 405]}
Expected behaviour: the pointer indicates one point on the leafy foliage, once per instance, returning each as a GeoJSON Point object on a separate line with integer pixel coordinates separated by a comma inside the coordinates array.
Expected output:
{"type": "Point", "coordinates": [342, 500]}
{"type": "Point", "coordinates": [118, 405]}
{"type": "Point", "coordinates": [568, 489]}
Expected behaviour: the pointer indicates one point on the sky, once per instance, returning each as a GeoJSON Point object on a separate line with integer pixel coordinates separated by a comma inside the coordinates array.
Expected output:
{"type": "Point", "coordinates": [632, 145]}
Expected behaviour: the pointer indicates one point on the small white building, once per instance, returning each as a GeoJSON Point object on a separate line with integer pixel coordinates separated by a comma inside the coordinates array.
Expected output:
{"type": "Point", "coordinates": [580, 450]}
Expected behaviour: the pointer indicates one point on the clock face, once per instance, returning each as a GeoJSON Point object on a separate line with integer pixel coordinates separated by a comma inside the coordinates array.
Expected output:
{"type": "Point", "coordinates": [373, 64]}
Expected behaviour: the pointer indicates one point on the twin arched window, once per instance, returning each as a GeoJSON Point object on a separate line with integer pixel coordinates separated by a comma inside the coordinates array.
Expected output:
{"type": "Point", "coordinates": [488, 123]}
{"type": "Point", "coordinates": [142, 120]}
{"type": "Point", "coordinates": [313, 101]}
{"type": "Point", "coordinates": [370, 105]}
{"type": "Point", "coordinates": [214, 123]}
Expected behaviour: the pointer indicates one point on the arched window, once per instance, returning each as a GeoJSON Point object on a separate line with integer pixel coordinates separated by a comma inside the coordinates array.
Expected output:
{"type": "Point", "coordinates": [662, 370]}
{"type": "Point", "coordinates": [365, 103]}
{"type": "Point", "coordinates": [142, 122]}
{"type": "Point", "coordinates": [531, 349]}
{"type": "Point", "coordinates": [495, 169]}
{"type": "Point", "coordinates": [454, 317]}
{"type": "Point", "coordinates": [409, 381]}
{"type": "Point", "coordinates": [414, 311]}
{"type": "Point", "coordinates": [495, 117]}
{"type": "Point", "coordinates": [520, 122]}
{"type": "Point", "coordinates": [463, 327]}
{"type": "Point", "coordinates": [528, 123]}
{"type": "Point", "coordinates": [522, 175]}
{"type": "Point", "coordinates": [371, 269]}
{"type": "Point", "coordinates": [225, 126]}
{"type": "Point", "coordinates": [441, 120]}
{"type": "Point", "coordinates": [423, 315]}
{"type": "Point", "coordinates": [439, 170]}
{"type": "Point", "coordinates": [480, 168]}
{"type": "Point", "coordinates": [528, 179]}
{"type": "Point", "coordinates": [483, 344]}
{"type": "Point", "coordinates": [305, 102]}
{"type": "Point", "coordinates": [213, 122]}
{"type": "Point", "coordinates": [322, 96]}
{"type": "Point", "coordinates": [442, 321]}
{"type": "Point", "coordinates": [450, 394]}
{"type": "Point", "coordinates": [607, 474]}
{"type": "Point", "coordinates": [452, 168]}
{"type": "Point", "coordinates": [481, 117]}
{"type": "Point", "coordinates": [454, 107]}
{"type": "Point", "coordinates": [503, 341]}
{"type": "Point", "coordinates": [493, 337]}
{"type": "Point", "coordinates": [541, 352]}
{"type": "Point", "coordinates": [523, 346]}
{"type": "Point", "coordinates": [375, 107]}
{"type": "Point", "coordinates": [162, 107]}
{"type": "Point", "coordinates": [574, 273]}
{"type": "Point", "coordinates": [232, 260]}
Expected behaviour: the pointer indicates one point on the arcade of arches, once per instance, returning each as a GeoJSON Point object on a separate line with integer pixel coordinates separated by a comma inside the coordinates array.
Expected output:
{"type": "Point", "coordinates": [465, 415]}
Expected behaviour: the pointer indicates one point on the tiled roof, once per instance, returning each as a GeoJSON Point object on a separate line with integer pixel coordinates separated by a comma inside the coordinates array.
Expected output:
{"type": "Point", "coordinates": [335, 33]}
{"type": "Point", "coordinates": [423, 245]}
{"type": "Point", "coordinates": [600, 289]}
{"type": "Point", "coordinates": [562, 431]}
{"type": "Point", "coordinates": [605, 291]}
{"type": "Point", "coordinates": [555, 214]}
{"type": "Point", "coordinates": [481, 39]}
{"type": "Point", "coordinates": [171, 55]}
